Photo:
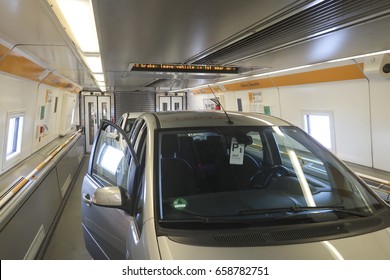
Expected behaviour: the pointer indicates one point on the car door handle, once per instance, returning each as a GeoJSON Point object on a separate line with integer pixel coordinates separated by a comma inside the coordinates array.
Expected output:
{"type": "Point", "coordinates": [87, 199]}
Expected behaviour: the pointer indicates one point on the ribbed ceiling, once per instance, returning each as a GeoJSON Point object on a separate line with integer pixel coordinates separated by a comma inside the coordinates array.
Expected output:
{"type": "Point", "coordinates": [320, 19]}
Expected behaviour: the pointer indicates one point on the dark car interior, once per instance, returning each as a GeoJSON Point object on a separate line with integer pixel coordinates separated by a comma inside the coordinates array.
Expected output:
{"type": "Point", "coordinates": [195, 166]}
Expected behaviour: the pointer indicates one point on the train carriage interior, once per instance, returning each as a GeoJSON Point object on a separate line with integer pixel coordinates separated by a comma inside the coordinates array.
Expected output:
{"type": "Point", "coordinates": [67, 66]}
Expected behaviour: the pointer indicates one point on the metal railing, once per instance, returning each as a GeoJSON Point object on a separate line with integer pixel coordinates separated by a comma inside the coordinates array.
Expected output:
{"type": "Point", "coordinates": [378, 185]}
{"type": "Point", "coordinates": [16, 188]}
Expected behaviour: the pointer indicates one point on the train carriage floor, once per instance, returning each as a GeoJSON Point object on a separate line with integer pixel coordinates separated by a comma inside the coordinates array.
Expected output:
{"type": "Point", "coordinates": [67, 242]}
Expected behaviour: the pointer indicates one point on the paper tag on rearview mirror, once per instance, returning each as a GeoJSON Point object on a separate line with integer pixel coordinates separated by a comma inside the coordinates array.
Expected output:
{"type": "Point", "coordinates": [236, 152]}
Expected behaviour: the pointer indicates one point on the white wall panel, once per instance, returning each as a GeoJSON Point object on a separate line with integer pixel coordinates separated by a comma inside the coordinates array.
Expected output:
{"type": "Point", "coordinates": [46, 99]}
{"type": "Point", "coordinates": [349, 102]}
{"type": "Point", "coordinates": [195, 101]}
{"type": "Point", "coordinates": [69, 106]}
{"type": "Point", "coordinates": [271, 98]}
{"type": "Point", "coordinates": [231, 102]}
{"type": "Point", "coordinates": [39, 104]}
{"type": "Point", "coordinates": [17, 94]}
{"type": "Point", "coordinates": [380, 104]}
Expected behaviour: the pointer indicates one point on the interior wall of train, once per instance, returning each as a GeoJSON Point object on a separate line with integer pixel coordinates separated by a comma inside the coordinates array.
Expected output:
{"type": "Point", "coordinates": [48, 122]}
{"type": "Point", "coordinates": [355, 96]}
{"type": "Point", "coordinates": [35, 117]}
{"type": "Point", "coordinates": [32, 115]}
{"type": "Point", "coordinates": [40, 155]}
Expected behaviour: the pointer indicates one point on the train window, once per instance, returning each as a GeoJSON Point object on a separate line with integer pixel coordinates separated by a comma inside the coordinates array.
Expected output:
{"type": "Point", "coordinates": [320, 126]}
{"type": "Point", "coordinates": [13, 137]}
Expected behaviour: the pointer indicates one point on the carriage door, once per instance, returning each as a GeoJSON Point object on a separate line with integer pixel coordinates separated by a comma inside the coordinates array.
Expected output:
{"type": "Point", "coordinates": [171, 103]}
{"type": "Point", "coordinates": [165, 103]}
{"type": "Point", "coordinates": [96, 108]}
{"type": "Point", "coordinates": [176, 103]}
{"type": "Point", "coordinates": [103, 108]}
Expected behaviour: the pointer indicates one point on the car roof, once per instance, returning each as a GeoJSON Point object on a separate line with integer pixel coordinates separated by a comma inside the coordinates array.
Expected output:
{"type": "Point", "coordinates": [131, 115]}
{"type": "Point", "coordinates": [180, 119]}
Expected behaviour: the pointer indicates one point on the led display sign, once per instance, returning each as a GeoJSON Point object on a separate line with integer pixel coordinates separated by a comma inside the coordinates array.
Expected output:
{"type": "Point", "coordinates": [184, 68]}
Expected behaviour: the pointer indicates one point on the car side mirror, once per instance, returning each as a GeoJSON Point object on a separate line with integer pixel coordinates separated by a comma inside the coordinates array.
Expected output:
{"type": "Point", "coordinates": [113, 197]}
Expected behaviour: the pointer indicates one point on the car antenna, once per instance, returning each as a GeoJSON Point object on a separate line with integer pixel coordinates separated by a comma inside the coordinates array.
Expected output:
{"type": "Point", "coordinates": [216, 101]}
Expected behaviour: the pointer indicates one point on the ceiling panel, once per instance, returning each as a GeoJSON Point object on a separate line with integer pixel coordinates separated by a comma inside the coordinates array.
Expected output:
{"type": "Point", "coordinates": [194, 31]}
{"type": "Point", "coordinates": [30, 26]}
{"type": "Point", "coordinates": [352, 41]}
{"type": "Point", "coordinates": [170, 31]}
{"type": "Point", "coordinates": [27, 22]}
{"type": "Point", "coordinates": [63, 60]}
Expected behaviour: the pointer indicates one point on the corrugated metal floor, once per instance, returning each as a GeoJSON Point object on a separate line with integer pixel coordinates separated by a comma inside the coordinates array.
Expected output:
{"type": "Point", "coordinates": [67, 242]}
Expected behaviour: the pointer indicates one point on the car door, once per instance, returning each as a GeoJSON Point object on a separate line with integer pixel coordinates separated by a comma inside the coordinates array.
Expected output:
{"type": "Point", "coordinates": [141, 240]}
{"type": "Point", "coordinates": [141, 243]}
{"type": "Point", "coordinates": [105, 229]}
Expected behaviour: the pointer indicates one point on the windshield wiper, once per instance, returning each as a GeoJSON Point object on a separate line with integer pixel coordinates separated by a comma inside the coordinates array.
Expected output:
{"type": "Point", "coordinates": [297, 209]}
{"type": "Point", "coordinates": [195, 217]}
{"type": "Point", "coordinates": [340, 209]}
{"type": "Point", "coordinates": [215, 220]}
{"type": "Point", "coordinates": [208, 220]}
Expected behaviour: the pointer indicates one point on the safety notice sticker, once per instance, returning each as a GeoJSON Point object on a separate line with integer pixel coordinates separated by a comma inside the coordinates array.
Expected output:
{"type": "Point", "coordinates": [179, 203]}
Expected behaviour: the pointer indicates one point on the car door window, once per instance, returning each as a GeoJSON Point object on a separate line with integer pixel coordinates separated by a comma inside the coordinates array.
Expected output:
{"type": "Point", "coordinates": [111, 158]}
{"type": "Point", "coordinates": [136, 178]}
{"type": "Point", "coordinates": [137, 139]}
{"type": "Point", "coordinates": [135, 130]}
{"type": "Point", "coordinates": [140, 191]}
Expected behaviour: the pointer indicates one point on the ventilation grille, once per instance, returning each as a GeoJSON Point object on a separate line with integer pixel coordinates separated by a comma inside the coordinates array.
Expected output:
{"type": "Point", "coordinates": [241, 238]}
{"type": "Point", "coordinates": [280, 236]}
{"type": "Point", "coordinates": [325, 17]}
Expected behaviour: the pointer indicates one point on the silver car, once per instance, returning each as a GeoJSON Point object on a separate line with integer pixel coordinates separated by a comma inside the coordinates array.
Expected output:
{"type": "Point", "coordinates": [216, 185]}
{"type": "Point", "coordinates": [127, 120]}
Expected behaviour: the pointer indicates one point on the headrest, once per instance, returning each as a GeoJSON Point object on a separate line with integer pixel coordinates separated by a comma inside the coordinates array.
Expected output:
{"type": "Point", "coordinates": [169, 145]}
{"type": "Point", "coordinates": [185, 142]}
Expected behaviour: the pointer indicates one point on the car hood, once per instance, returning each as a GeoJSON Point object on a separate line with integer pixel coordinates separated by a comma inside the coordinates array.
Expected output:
{"type": "Point", "coordinates": [375, 245]}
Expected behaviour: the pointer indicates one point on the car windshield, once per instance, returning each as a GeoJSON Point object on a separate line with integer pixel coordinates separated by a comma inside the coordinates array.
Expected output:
{"type": "Point", "coordinates": [241, 174]}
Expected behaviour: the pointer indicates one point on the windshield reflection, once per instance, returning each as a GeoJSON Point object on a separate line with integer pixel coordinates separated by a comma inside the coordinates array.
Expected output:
{"type": "Point", "coordinates": [254, 173]}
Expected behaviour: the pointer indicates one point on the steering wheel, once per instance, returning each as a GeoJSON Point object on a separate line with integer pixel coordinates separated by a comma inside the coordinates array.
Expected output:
{"type": "Point", "coordinates": [263, 177]}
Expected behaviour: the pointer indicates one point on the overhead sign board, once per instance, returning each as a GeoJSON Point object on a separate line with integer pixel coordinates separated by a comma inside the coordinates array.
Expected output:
{"type": "Point", "coordinates": [190, 68]}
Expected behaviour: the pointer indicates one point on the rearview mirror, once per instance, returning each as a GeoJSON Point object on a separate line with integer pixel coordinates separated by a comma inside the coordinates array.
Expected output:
{"type": "Point", "coordinates": [244, 139]}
